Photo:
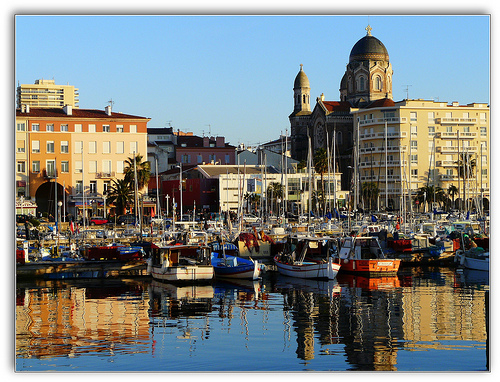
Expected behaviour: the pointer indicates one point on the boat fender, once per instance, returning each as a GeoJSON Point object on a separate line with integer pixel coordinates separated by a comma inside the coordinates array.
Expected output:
{"type": "Point", "coordinates": [462, 259]}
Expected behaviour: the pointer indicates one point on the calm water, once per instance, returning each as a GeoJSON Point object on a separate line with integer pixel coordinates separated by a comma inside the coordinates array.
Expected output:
{"type": "Point", "coordinates": [426, 319]}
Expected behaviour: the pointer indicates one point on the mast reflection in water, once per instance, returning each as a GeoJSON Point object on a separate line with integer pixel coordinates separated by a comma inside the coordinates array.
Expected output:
{"type": "Point", "coordinates": [432, 319]}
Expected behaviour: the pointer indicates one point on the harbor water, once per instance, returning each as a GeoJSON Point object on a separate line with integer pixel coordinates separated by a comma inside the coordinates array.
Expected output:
{"type": "Point", "coordinates": [425, 319]}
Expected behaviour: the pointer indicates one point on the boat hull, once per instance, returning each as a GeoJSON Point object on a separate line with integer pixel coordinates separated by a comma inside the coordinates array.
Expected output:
{"type": "Point", "coordinates": [476, 264]}
{"type": "Point", "coordinates": [184, 273]}
{"type": "Point", "coordinates": [382, 267]}
{"type": "Point", "coordinates": [237, 268]}
{"type": "Point", "coordinates": [309, 270]}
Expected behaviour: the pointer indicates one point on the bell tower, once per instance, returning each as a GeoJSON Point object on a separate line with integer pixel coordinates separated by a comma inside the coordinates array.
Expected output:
{"type": "Point", "coordinates": [301, 92]}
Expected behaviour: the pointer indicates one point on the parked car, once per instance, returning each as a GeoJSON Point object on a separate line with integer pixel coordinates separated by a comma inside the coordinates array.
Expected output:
{"type": "Point", "coordinates": [250, 219]}
{"type": "Point", "coordinates": [98, 220]}
{"type": "Point", "coordinates": [126, 219]}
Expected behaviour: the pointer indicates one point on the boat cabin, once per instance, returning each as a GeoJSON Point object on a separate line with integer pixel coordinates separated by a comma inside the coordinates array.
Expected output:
{"type": "Point", "coordinates": [178, 255]}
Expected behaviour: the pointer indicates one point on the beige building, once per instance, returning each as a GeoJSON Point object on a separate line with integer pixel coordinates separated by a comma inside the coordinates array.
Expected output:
{"type": "Point", "coordinates": [80, 150]}
{"type": "Point", "coordinates": [45, 93]}
{"type": "Point", "coordinates": [410, 144]}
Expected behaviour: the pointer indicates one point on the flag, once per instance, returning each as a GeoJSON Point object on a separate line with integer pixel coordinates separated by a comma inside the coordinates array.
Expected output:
{"type": "Point", "coordinates": [72, 227]}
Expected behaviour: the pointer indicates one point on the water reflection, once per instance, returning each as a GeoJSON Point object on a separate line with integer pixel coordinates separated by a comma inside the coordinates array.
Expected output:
{"type": "Point", "coordinates": [69, 319]}
{"type": "Point", "coordinates": [352, 323]}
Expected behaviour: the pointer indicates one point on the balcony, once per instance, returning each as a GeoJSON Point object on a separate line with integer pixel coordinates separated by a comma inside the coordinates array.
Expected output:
{"type": "Point", "coordinates": [105, 175]}
{"type": "Point", "coordinates": [467, 135]}
{"type": "Point", "coordinates": [456, 121]}
{"type": "Point", "coordinates": [446, 163]}
{"type": "Point", "coordinates": [378, 121]}
{"type": "Point", "coordinates": [446, 177]}
{"type": "Point", "coordinates": [49, 174]}
{"type": "Point", "coordinates": [390, 163]}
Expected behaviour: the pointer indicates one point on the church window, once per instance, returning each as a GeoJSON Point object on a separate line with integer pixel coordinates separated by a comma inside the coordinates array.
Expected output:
{"type": "Point", "coordinates": [304, 98]}
{"type": "Point", "coordinates": [361, 83]}
{"type": "Point", "coordinates": [339, 137]}
{"type": "Point", "coordinates": [378, 83]}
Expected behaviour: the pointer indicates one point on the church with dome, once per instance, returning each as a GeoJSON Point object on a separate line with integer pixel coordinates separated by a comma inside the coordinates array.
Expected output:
{"type": "Point", "coordinates": [395, 147]}
{"type": "Point", "coordinates": [367, 81]}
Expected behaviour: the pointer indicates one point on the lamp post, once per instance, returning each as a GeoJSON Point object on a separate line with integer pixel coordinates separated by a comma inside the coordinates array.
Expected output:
{"type": "Point", "coordinates": [104, 198]}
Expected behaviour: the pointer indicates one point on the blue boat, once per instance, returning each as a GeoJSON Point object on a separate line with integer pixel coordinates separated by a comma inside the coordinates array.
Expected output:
{"type": "Point", "coordinates": [235, 267]}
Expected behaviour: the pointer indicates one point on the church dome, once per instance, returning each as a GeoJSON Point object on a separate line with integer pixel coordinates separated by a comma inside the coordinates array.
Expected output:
{"type": "Point", "coordinates": [369, 48]}
{"type": "Point", "coordinates": [301, 81]}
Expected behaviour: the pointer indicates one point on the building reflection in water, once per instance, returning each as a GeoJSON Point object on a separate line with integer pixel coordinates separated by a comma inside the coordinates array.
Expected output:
{"type": "Point", "coordinates": [64, 319]}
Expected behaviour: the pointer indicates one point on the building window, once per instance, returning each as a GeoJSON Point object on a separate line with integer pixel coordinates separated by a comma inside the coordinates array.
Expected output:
{"type": "Point", "coordinates": [378, 83]}
{"type": "Point", "coordinates": [20, 146]}
{"type": "Point", "coordinates": [199, 159]}
{"type": "Point", "coordinates": [64, 127]}
{"type": "Point", "coordinates": [482, 116]}
{"type": "Point", "coordinates": [432, 130]}
{"type": "Point", "coordinates": [484, 172]}
{"type": "Point", "coordinates": [212, 158]}
{"type": "Point", "coordinates": [449, 129]}
{"type": "Point", "coordinates": [105, 187]}
{"type": "Point", "coordinates": [91, 128]}
{"type": "Point", "coordinates": [92, 147]}
{"type": "Point", "coordinates": [414, 145]}
{"type": "Point", "coordinates": [106, 129]}
{"type": "Point", "coordinates": [92, 166]}
{"type": "Point", "coordinates": [466, 129]}
{"type": "Point", "coordinates": [228, 159]}
{"type": "Point", "coordinates": [21, 166]}
{"type": "Point", "coordinates": [186, 158]}
{"type": "Point", "coordinates": [106, 167]}
{"type": "Point", "coordinates": [119, 167]}
{"type": "Point", "coordinates": [50, 166]}
{"type": "Point", "coordinates": [339, 137]}
{"type": "Point", "coordinates": [35, 166]}
{"type": "Point", "coordinates": [414, 158]}
{"type": "Point", "coordinates": [35, 147]}
{"type": "Point", "coordinates": [78, 166]}
{"type": "Point", "coordinates": [64, 166]}
{"type": "Point", "coordinates": [119, 128]}
{"type": "Point", "coordinates": [413, 116]}
{"type": "Point", "coordinates": [449, 171]}
{"type": "Point", "coordinates": [430, 116]}
{"type": "Point", "coordinates": [120, 147]}
{"type": "Point", "coordinates": [64, 147]}
{"type": "Point", "coordinates": [50, 127]}
{"type": "Point", "coordinates": [50, 146]}
{"type": "Point", "coordinates": [133, 147]}
{"type": "Point", "coordinates": [78, 128]}
{"type": "Point", "coordinates": [79, 186]}
{"type": "Point", "coordinates": [483, 131]}
{"type": "Point", "coordinates": [21, 127]}
{"type": "Point", "coordinates": [35, 127]}
{"type": "Point", "coordinates": [133, 129]}
{"type": "Point", "coordinates": [78, 147]}
{"type": "Point", "coordinates": [414, 172]}
{"type": "Point", "coordinates": [106, 147]}
{"type": "Point", "coordinates": [93, 187]}
{"type": "Point", "coordinates": [413, 129]}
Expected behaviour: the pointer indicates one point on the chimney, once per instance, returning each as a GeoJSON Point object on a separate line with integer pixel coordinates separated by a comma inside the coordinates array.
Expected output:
{"type": "Point", "coordinates": [68, 109]}
{"type": "Point", "coordinates": [219, 142]}
{"type": "Point", "coordinates": [107, 109]}
{"type": "Point", "coordinates": [25, 108]}
{"type": "Point", "coordinates": [206, 142]}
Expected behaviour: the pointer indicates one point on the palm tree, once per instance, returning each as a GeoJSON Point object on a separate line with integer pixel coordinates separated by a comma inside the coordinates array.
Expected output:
{"type": "Point", "coordinates": [274, 192]}
{"type": "Point", "coordinates": [121, 194]}
{"type": "Point", "coordinates": [143, 169]}
{"type": "Point", "coordinates": [253, 200]}
{"type": "Point", "coordinates": [466, 165]}
{"type": "Point", "coordinates": [370, 192]}
{"type": "Point", "coordinates": [452, 191]}
{"type": "Point", "coordinates": [430, 194]}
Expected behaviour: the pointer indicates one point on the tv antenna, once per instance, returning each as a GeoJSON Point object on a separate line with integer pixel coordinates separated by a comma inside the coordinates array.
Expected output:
{"type": "Point", "coordinates": [111, 102]}
{"type": "Point", "coordinates": [169, 123]}
{"type": "Point", "coordinates": [209, 130]}
{"type": "Point", "coordinates": [406, 89]}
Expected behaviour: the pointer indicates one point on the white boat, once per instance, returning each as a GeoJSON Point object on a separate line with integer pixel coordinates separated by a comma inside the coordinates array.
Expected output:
{"type": "Point", "coordinates": [474, 258]}
{"type": "Point", "coordinates": [312, 262]}
{"type": "Point", "coordinates": [181, 263]}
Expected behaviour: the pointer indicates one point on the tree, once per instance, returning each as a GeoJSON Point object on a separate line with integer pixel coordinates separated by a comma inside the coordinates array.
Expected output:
{"type": "Point", "coordinates": [452, 191]}
{"type": "Point", "coordinates": [370, 192]}
{"type": "Point", "coordinates": [121, 194]}
{"type": "Point", "coordinates": [143, 169]}
{"type": "Point", "coordinates": [253, 200]}
{"type": "Point", "coordinates": [430, 194]}
{"type": "Point", "coordinates": [467, 171]}
{"type": "Point", "coordinates": [274, 192]}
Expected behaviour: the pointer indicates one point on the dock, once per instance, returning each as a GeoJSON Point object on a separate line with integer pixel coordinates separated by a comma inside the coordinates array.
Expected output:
{"type": "Point", "coordinates": [81, 269]}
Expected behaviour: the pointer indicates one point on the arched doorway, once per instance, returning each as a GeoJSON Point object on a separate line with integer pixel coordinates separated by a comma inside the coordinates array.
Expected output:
{"type": "Point", "coordinates": [45, 198]}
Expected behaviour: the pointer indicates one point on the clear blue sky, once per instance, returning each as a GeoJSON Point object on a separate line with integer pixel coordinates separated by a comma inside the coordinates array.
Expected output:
{"type": "Point", "coordinates": [236, 73]}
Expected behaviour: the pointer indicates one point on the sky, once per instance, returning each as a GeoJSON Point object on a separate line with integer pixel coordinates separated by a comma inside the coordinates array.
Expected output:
{"type": "Point", "coordinates": [233, 75]}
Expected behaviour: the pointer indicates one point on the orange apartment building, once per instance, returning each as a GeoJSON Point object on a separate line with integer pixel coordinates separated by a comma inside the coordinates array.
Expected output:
{"type": "Point", "coordinates": [77, 149]}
